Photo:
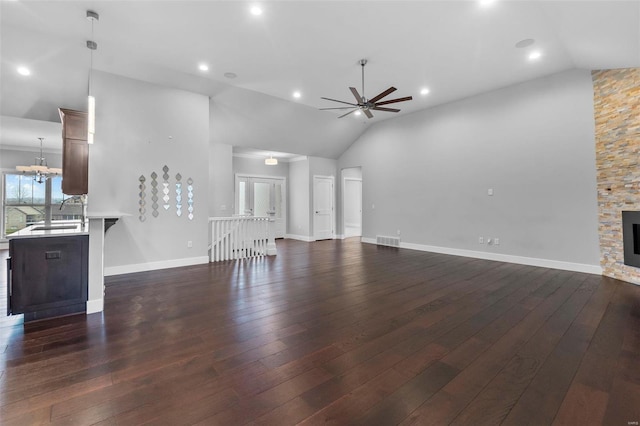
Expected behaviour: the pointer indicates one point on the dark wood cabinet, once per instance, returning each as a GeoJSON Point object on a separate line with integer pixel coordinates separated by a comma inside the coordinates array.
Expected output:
{"type": "Point", "coordinates": [75, 152]}
{"type": "Point", "coordinates": [48, 276]}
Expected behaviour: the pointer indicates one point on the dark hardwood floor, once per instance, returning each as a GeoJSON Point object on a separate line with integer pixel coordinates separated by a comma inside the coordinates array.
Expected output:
{"type": "Point", "coordinates": [335, 332]}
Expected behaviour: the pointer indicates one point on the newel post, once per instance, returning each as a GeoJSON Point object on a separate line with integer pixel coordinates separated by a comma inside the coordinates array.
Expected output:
{"type": "Point", "coordinates": [271, 243]}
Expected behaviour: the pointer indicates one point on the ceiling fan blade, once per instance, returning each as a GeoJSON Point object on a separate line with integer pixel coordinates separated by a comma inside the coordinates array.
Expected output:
{"type": "Point", "coordinates": [350, 112]}
{"type": "Point", "coordinates": [386, 109]}
{"type": "Point", "coordinates": [367, 113]}
{"type": "Point", "coordinates": [342, 102]}
{"type": "Point", "coordinates": [323, 109]}
{"type": "Point", "coordinates": [393, 101]}
{"type": "Point", "coordinates": [383, 94]}
{"type": "Point", "coordinates": [356, 95]}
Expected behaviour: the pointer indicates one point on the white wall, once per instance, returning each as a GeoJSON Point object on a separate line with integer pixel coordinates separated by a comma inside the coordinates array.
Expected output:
{"type": "Point", "coordinates": [428, 173]}
{"type": "Point", "coordinates": [141, 127]}
{"type": "Point", "coordinates": [256, 167]}
{"type": "Point", "coordinates": [221, 180]}
{"type": "Point", "coordinates": [10, 158]}
{"type": "Point", "coordinates": [299, 199]}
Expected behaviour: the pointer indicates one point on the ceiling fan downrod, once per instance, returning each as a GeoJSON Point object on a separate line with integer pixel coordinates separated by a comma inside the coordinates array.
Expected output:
{"type": "Point", "coordinates": [363, 62]}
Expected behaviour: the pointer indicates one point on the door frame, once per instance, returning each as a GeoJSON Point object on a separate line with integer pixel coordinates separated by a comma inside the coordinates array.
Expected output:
{"type": "Point", "coordinates": [333, 205]}
{"type": "Point", "coordinates": [344, 203]}
{"type": "Point", "coordinates": [236, 199]}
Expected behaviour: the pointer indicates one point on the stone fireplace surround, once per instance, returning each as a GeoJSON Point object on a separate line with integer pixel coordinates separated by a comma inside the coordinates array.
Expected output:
{"type": "Point", "coordinates": [617, 121]}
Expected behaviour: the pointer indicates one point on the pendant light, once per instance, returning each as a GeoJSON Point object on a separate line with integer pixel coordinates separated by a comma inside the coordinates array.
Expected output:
{"type": "Point", "coordinates": [40, 169]}
{"type": "Point", "coordinates": [271, 161]}
{"type": "Point", "coordinates": [91, 101]}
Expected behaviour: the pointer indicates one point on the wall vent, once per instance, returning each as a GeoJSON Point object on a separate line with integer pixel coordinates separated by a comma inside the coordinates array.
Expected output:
{"type": "Point", "coordinates": [387, 241]}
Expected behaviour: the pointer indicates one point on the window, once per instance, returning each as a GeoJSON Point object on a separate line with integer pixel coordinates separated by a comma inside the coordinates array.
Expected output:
{"type": "Point", "coordinates": [25, 202]}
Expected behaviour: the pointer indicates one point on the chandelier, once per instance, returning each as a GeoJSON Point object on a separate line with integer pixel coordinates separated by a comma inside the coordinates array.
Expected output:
{"type": "Point", "coordinates": [40, 169]}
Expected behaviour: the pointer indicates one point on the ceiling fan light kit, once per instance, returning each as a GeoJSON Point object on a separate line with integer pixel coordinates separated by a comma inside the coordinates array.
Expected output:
{"type": "Point", "coordinates": [367, 105]}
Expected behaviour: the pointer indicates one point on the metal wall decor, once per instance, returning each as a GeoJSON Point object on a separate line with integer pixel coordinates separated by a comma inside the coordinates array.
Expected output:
{"type": "Point", "coordinates": [190, 197]}
{"type": "Point", "coordinates": [178, 195]}
{"type": "Point", "coordinates": [166, 198]}
{"type": "Point", "coordinates": [141, 202]}
{"type": "Point", "coordinates": [165, 188]}
{"type": "Point", "coordinates": [154, 194]}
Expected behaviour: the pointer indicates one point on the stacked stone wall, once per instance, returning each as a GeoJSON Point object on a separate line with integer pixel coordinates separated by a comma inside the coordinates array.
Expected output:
{"type": "Point", "coordinates": [617, 121]}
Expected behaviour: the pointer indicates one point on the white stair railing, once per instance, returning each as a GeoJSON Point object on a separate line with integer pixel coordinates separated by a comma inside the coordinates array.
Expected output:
{"type": "Point", "coordinates": [240, 237]}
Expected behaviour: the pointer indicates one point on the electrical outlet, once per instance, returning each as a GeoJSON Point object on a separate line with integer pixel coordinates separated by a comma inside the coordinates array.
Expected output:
{"type": "Point", "coordinates": [481, 240]}
{"type": "Point", "coordinates": [398, 232]}
{"type": "Point", "coordinates": [496, 241]}
{"type": "Point", "coordinates": [189, 244]}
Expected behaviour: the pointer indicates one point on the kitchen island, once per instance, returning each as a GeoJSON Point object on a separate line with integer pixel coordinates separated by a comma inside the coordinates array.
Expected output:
{"type": "Point", "coordinates": [48, 270]}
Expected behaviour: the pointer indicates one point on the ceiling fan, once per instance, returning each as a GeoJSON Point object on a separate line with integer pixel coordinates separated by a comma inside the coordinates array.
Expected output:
{"type": "Point", "coordinates": [367, 105]}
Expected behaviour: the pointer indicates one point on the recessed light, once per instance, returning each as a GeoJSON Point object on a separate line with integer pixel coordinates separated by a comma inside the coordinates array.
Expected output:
{"type": "Point", "coordinates": [535, 55]}
{"type": "Point", "coordinates": [525, 43]}
{"type": "Point", "coordinates": [22, 70]}
{"type": "Point", "coordinates": [256, 11]}
{"type": "Point", "coordinates": [297, 94]}
{"type": "Point", "coordinates": [424, 91]}
{"type": "Point", "coordinates": [203, 67]}
{"type": "Point", "coordinates": [230, 74]}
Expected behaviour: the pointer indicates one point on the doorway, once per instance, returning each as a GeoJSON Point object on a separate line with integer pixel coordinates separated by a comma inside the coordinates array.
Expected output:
{"type": "Point", "coordinates": [263, 196]}
{"type": "Point", "coordinates": [323, 196]}
{"type": "Point", "coordinates": [352, 202]}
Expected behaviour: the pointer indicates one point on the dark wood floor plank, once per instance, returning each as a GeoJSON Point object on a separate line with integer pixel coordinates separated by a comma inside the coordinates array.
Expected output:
{"type": "Point", "coordinates": [622, 407]}
{"type": "Point", "coordinates": [333, 332]}
{"type": "Point", "coordinates": [350, 406]}
{"type": "Point", "coordinates": [587, 398]}
{"type": "Point", "coordinates": [540, 401]}
{"type": "Point", "coordinates": [435, 321]}
{"type": "Point", "coordinates": [446, 404]}
{"type": "Point", "coordinates": [497, 399]}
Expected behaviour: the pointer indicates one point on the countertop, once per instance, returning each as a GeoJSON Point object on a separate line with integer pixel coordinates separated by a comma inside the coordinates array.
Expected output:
{"type": "Point", "coordinates": [106, 215]}
{"type": "Point", "coordinates": [29, 231]}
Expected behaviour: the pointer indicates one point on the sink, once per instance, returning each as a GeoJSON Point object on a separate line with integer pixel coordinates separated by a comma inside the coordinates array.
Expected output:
{"type": "Point", "coordinates": [54, 227]}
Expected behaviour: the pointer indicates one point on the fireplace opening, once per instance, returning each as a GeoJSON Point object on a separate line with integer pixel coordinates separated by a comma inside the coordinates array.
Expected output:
{"type": "Point", "coordinates": [631, 237]}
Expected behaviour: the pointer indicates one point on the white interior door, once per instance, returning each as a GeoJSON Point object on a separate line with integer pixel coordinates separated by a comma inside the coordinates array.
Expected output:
{"type": "Point", "coordinates": [322, 207]}
{"type": "Point", "coordinates": [352, 207]}
{"type": "Point", "coordinates": [262, 196]}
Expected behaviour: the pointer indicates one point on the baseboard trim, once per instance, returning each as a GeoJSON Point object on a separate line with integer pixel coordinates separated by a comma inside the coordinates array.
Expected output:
{"type": "Point", "coordinates": [152, 266]}
{"type": "Point", "coordinates": [499, 257]}
{"type": "Point", "coordinates": [299, 238]}
{"type": "Point", "coordinates": [340, 237]}
{"type": "Point", "coordinates": [94, 306]}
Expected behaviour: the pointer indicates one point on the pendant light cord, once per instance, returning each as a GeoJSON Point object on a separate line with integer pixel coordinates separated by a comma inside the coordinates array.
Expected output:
{"type": "Point", "coordinates": [91, 58]}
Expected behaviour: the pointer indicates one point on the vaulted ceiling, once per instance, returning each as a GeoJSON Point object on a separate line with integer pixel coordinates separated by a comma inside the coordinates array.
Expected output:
{"type": "Point", "coordinates": [455, 49]}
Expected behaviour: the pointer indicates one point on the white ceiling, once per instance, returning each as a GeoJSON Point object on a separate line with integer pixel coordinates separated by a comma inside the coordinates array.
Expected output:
{"type": "Point", "coordinates": [22, 134]}
{"type": "Point", "coordinates": [456, 48]}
